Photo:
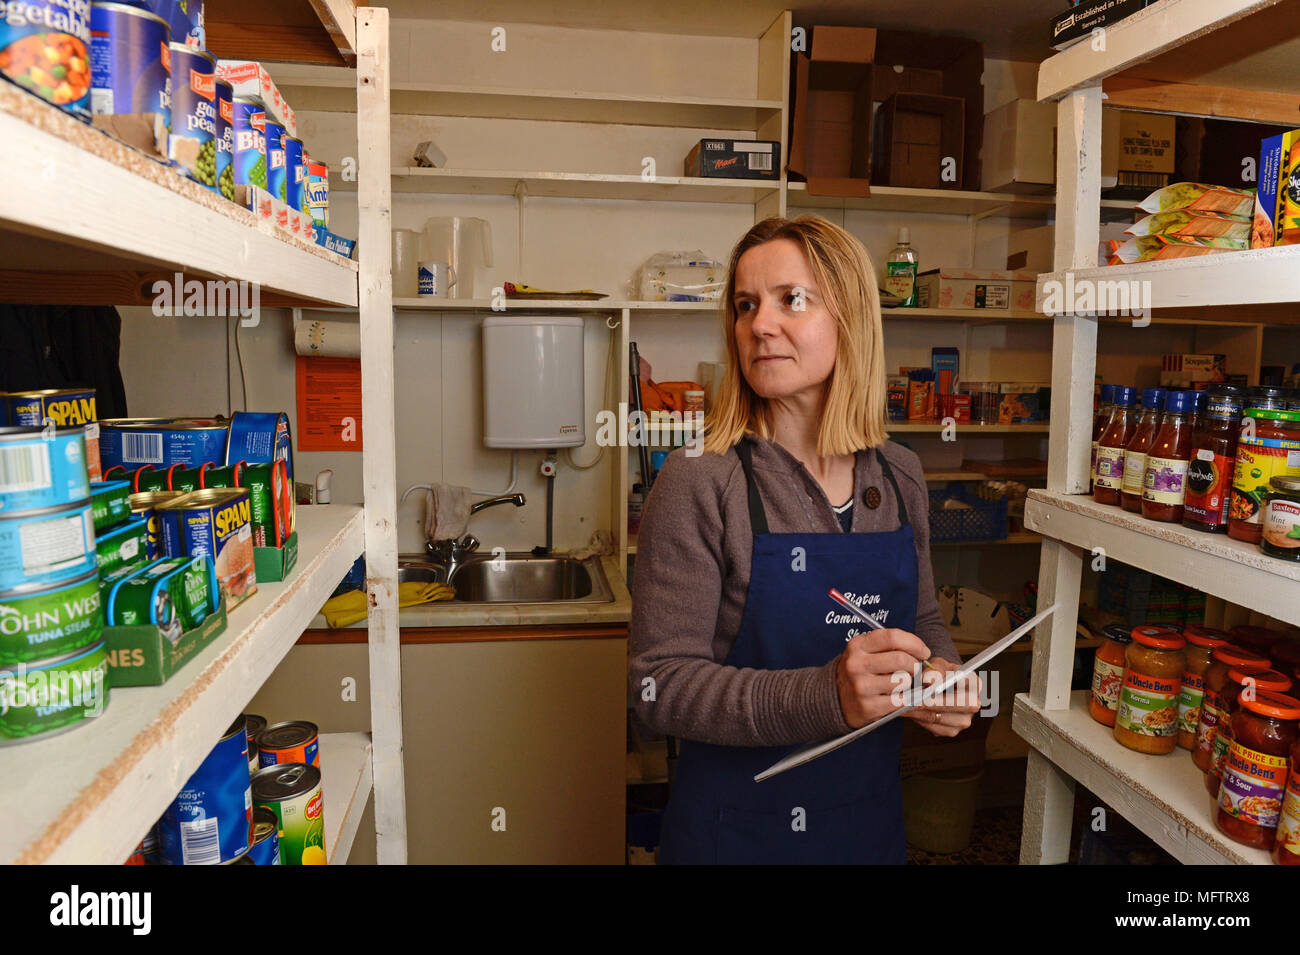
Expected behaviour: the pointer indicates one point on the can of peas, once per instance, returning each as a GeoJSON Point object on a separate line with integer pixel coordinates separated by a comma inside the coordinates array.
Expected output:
{"type": "Point", "coordinates": [45, 49]}
{"type": "Point", "coordinates": [225, 137]}
{"type": "Point", "coordinates": [275, 178]}
{"type": "Point", "coordinates": [250, 141]}
{"type": "Point", "coordinates": [192, 146]}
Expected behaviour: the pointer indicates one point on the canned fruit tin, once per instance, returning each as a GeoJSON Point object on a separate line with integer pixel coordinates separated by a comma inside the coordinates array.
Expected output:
{"type": "Point", "coordinates": [211, 819]}
{"type": "Point", "coordinates": [53, 695]}
{"type": "Point", "coordinates": [293, 172]}
{"type": "Point", "coordinates": [225, 139]}
{"type": "Point", "coordinates": [41, 469]}
{"type": "Point", "coordinates": [142, 505]}
{"type": "Point", "coordinates": [291, 742]}
{"type": "Point", "coordinates": [45, 49]}
{"type": "Point", "coordinates": [266, 837]}
{"type": "Point", "coordinates": [227, 475]}
{"type": "Point", "coordinates": [259, 437]}
{"type": "Point", "coordinates": [192, 145]}
{"type": "Point", "coordinates": [318, 193]}
{"type": "Point", "coordinates": [270, 495]}
{"type": "Point", "coordinates": [67, 408]}
{"type": "Point", "coordinates": [250, 142]}
{"type": "Point", "coordinates": [293, 792]}
{"type": "Point", "coordinates": [274, 151]}
{"type": "Point", "coordinates": [39, 622]}
{"type": "Point", "coordinates": [129, 61]}
{"type": "Point", "coordinates": [215, 523]}
{"type": "Point", "coordinates": [161, 442]}
{"type": "Point", "coordinates": [119, 546]}
{"type": "Point", "coordinates": [175, 594]}
{"type": "Point", "coordinates": [110, 503]}
{"type": "Point", "coordinates": [45, 546]}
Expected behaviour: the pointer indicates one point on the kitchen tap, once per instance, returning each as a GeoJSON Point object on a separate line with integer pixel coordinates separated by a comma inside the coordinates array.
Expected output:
{"type": "Point", "coordinates": [451, 551]}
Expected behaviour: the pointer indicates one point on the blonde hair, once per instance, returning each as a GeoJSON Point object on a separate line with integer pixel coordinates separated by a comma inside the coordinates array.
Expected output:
{"type": "Point", "coordinates": [853, 417]}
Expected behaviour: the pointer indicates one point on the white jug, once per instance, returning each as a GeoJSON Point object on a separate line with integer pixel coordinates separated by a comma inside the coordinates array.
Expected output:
{"type": "Point", "coordinates": [465, 244]}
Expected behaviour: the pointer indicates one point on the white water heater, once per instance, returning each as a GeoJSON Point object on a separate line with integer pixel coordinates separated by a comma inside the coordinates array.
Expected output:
{"type": "Point", "coordinates": [533, 381]}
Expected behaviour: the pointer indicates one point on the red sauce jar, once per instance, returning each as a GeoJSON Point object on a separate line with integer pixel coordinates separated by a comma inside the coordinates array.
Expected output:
{"type": "Point", "coordinates": [1135, 452]}
{"type": "Point", "coordinates": [1110, 447]}
{"type": "Point", "coordinates": [1232, 695]}
{"type": "Point", "coordinates": [1222, 659]}
{"type": "Point", "coordinates": [1214, 453]}
{"type": "Point", "coordinates": [1165, 479]}
{"type": "Point", "coordinates": [1201, 642]}
{"type": "Point", "coordinates": [1285, 654]}
{"type": "Point", "coordinates": [1286, 850]}
{"type": "Point", "coordinates": [1254, 778]}
{"type": "Point", "coordinates": [1108, 673]}
{"type": "Point", "coordinates": [1258, 639]}
{"type": "Point", "coordinates": [1147, 717]}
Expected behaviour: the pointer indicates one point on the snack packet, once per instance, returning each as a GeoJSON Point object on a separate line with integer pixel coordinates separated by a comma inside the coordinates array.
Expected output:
{"type": "Point", "coordinates": [1198, 197]}
{"type": "Point", "coordinates": [1185, 222]}
{"type": "Point", "coordinates": [1149, 248]}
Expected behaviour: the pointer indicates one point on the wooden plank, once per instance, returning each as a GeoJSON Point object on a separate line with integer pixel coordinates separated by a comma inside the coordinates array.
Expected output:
{"type": "Point", "coordinates": [297, 31]}
{"type": "Point", "coordinates": [1049, 812]}
{"type": "Point", "coordinates": [339, 17]}
{"type": "Point", "coordinates": [347, 779]}
{"type": "Point", "coordinates": [118, 287]}
{"type": "Point", "coordinates": [271, 42]}
{"type": "Point", "coordinates": [414, 635]}
{"type": "Point", "coordinates": [1159, 96]}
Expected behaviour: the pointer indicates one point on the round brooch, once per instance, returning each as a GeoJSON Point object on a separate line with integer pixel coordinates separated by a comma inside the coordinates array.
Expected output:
{"type": "Point", "coordinates": [871, 497]}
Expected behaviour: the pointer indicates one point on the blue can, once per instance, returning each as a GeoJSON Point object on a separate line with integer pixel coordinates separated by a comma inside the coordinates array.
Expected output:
{"type": "Point", "coordinates": [67, 408]}
{"type": "Point", "coordinates": [183, 17]}
{"type": "Point", "coordinates": [294, 172]}
{"type": "Point", "coordinates": [162, 442]}
{"type": "Point", "coordinates": [129, 61]}
{"type": "Point", "coordinates": [211, 820]}
{"type": "Point", "coordinates": [266, 837]}
{"type": "Point", "coordinates": [275, 178]}
{"type": "Point", "coordinates": [259, 437]}
{"type": "Point", "coordinates": [45, 49]}
{"type": "Point", "coordinates": [249, 123]}
{"type": "Point", "coordinates": [39, 470]}
{"type": "Point", "coordinates": [225, 140]}
{"type": "Point", "coordinates": [46, 545]}
{"type": "Point", "coordinates": [192, 145]}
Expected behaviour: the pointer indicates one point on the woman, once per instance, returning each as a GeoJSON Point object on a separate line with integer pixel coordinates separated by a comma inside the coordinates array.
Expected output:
{"type": "Point", "coordinates": [737, 649]}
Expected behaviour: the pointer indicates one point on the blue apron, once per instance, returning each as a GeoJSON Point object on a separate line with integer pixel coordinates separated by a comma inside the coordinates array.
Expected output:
{"type": "Point", "coordinates": [846, 807]}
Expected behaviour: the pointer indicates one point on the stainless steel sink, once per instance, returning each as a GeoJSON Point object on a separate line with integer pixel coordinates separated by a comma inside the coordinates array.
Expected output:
{"type": "Point", "coordinates": [418, 569]}
{"type": "Point", "coordinates": [515, 578]}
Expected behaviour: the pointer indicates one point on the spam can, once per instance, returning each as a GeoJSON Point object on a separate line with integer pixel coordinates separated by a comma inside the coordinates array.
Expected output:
{"type": "Point", "coordinates": [225, 139]}
{"type": "Point", "coordinates": [174, 594]}
{"type": "Point", "coordinates": [274, 140]}
{"type": "Point", "coordinates": [192, 145]}
{"type": "Point", "coordinates": [270, 495]}
{"type": "Point", "coordinates": [122, 545]}
{"type": "Point", "coordinates": [142, 505]}
{"type": "Point", "coordinates": [215, 523]}
{"type": "Point", "coordinates": [66, 408]}
{"type": "Point", "coordinates": [110, 503]}
{"type": "Point", "coordinates": [293, 172]}
{"type": "Point", "coordinates": [318, 193]}
{"type": "Point", "coordinates": [45, 49]}
{"type": "Point", "coordinates": [292, 742]}
{"type": "Point", "coordinates": [46, 546]}
{"type": "Point", "coordinates": [38, 622]}
{"type": "Point", "coordinates": [130, 65]}
{"type": "Point", "coordinates": [211, 820]}
{"type": "Point", "coordinates": [161, 442]}
{"type": "Point", "coordinates": [53, 695]}
{"type": "Point", "coordinates": [266, 837]}
{"type": "Point", "coordinates": [42, 469]}
{"type": "Point", "coordinates": [249, 122]}
{"type": "Point", "coordinates": [293, 792]}
{"type": "Point", "coordinates": [259, 437]}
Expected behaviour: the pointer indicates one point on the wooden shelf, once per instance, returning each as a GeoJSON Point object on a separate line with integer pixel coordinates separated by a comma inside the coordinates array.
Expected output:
{"type": "Point", "coordinates": [941, 476]}
{"type": "Point", "coordinates": [89, 204]}
{"type": "Point", "coordinates": [304, 31]}
{"type": "Point", "coordinates": [1164, 796]}
{"type": "Point", "coordinates": [934, 201]}
{"type": "Point", "coordinates": [1215, 563]}
{"type": "Point", "coordinates": [347, 777]}
{"type": "Point", "coordinates": [87, 796]}
{"type": "Point", "coordinates": [965, 430]}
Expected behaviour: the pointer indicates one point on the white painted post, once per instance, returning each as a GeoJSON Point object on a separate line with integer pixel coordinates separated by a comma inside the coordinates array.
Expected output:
{"type": "Point", "coordinates": [379, 463]}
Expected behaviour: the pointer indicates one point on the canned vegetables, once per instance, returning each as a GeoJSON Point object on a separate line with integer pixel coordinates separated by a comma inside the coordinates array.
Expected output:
{"type": "Point", "coordinates": [250, 141]}
{"type": "Point", "coordinates": [45, 49]}
{"type": "Point", "coordinates": [274, 139]}
{"type": "Point", "coordinates": [129, 61]}
{"type": "Point", "coordinates": [293, 792]}
{"type": "Point", "coordinates": [192, 146]}
{"type": "Point", "coordinates": [225, 139]}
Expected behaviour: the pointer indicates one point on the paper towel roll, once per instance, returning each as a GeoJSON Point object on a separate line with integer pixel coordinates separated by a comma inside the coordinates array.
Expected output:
{"type": "Point", "coordinates": [328, 339]}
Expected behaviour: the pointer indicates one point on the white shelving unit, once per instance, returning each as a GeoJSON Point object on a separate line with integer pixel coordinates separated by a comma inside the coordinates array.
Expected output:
{"type": "Point", "coordinates": [1162, 796]}
{"type": "Point", "coordinates": [91, 221]}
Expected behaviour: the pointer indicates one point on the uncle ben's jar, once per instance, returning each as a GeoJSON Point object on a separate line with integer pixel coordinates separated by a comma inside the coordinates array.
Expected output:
{"type": "Point", "coordinates": [1147, 718]}
{"type": "Point", "coordinates": [1222, 659]}
{"type": "Point", "coordinates": [1234, 693]}
{"type": "Point", "coordinates": [1286, 849]}
{"type": "Point", "coordinates": [1254, 780]}
{"type": "Point", "coordinates": [1201, 641]}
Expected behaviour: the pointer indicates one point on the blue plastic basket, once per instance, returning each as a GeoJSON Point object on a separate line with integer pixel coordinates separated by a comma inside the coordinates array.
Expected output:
{"type": "Point", "coordinates": [982, 521]}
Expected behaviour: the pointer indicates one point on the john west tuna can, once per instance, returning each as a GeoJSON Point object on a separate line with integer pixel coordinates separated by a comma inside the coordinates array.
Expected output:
{"type": "Point", "coordinates": [217, 524]}
{"type": "Point", "coordinates": [225, 137]}
{"type": "Point", "coordinates": [293, 742]}
{"type": "Point", "coordinates": [129, 60]}
{"type": "Point", "coordinates": [40, 621]}
{"type": "Point", "coordinates": [53, 695]}
{"type": "Point", "coordinates": [211, 820]}
{"type": "Point", "coordinates": [45, 48]}
{"type": "Point", "coordinates": [39, 469]}
{"type": "Point", "coordinates": [292, 791]}
{"type": "Point", "coordinates": [161, 442]}
{"type": "Point", "coordinates": [266, 837]}
{"type": "Point", "coordinates": [192, 147]}
{"type": "Point", "coordinates": [250, 141]}
{"type": "Point", "coordinates": [46, 546]}
{"type": "Point", "coordinates": [67, 408]}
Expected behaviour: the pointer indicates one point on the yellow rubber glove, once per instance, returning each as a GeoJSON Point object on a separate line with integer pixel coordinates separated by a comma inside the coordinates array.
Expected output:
{"type": "Point", "coordinates": [354, 606]}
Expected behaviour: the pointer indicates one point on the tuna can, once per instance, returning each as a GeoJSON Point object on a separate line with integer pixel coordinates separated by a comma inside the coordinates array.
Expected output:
{"type": "Point", "coordinates": [292, 791]}
{"type": "Point", "coordinates": [53, 544]}
{"type": "Point", "coordinates": [250, 141]}
{"type": "Point", "coordinates": [41, 470]}
{"type": "Point", "coordinates": [211, 819]}
{"type": "Point", "coordinates": [214, 523]}
{"type": "Point", "coordinates": [258, 437]}
{"type": "Point", "coordinates": [175, 594]}
{"type": "Point", "coordinates": [129, 61]}
{"type": "Point", "coordinates": [192, 145]}
{"type": "Point", "coordinates": [266, 837]}
{"type": "Point", "coordinates": [38, 699]}
{"type": "Point", "coordinates": [42, 621]}
{"type": "Point", "coordinates": [270, 496]}
{"type": "Point", "coordinates": [292, 742]}
{"type": "Point", "coordinates": [225, 138]}
{"type": "Point", "coordinates": [67, 408]}
{"type": "Point", "coordinates": [119, 546]}
{"type": "Point", "coordinates": [45, 49]}
{"type": "Point", "coordinates": [318, 193]}
{"type": "Point", "coordinates": [275, 179]}
{"type": "Point", "coordinates": [142, 505]}
{"type": "Point", "coordinates": [226, 475]}
{"type": "Point", "coordinates": [293, 170]}
{"type": "Point", "coordinates": [161, 442]}
{"type": "Point", "coordinates": [110, 503]}
{"type": "Point", "coordinates": [142, 480]}
{"type": "Point", "coordinates": [181, 478]}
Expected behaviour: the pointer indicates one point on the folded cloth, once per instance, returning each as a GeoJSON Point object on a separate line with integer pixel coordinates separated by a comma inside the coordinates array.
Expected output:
{"type": "Point", "coordinates": [447, 511]}
{"type": "Point", "coordinates": [600, 544]}
{"type": "Point", "coordinates": [354, 606]}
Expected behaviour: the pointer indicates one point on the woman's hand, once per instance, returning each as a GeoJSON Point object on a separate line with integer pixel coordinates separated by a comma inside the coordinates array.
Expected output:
{"type": "Point", "coordinates": [874, 670]}
{"type": "Point", "coordinates": [948, 720]}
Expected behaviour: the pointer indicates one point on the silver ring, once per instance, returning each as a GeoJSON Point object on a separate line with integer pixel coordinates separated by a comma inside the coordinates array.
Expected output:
{"type": "Point", "coordinates": [934, 717]}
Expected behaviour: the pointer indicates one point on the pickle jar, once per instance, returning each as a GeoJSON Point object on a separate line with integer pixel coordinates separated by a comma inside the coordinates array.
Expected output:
{"type": "Point", "coordinates": [1215, 678]}
{"type": "Point", "coordinates": [1200, 642]}
{"type": "Point", "coordinates": [1108, 673]}
{"type": "Point", "coordinates": [1264, 730]}
{"type": "Point", "coordinates": [1286, 847]}
{"type": "Point", "coordinates": [1280, 525]}
{"type": "Point", "coordinates": [1230, 699]}
{"type": "Point", "coordinates": [1147, 717]}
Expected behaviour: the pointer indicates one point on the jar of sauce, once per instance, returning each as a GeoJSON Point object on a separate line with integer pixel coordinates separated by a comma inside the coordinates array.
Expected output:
{"type": "Point", "coordinates": [1280, 524]}
{"type": "Point", "coordinates": [1099, 421]}
{"type": "Point", "coordinates": [1222, 659]}
{"type": "Point", "coordinates": [1268, 446]}
{"type": "Point", "coordinates": [1114, 439]}
{"type": "Point", "coordinates": [1233, 694]}
{"type": "Point", "coordinates": [1135, 452]}
{"type": "Point", "coordinates": [1286, 849]}
{"type": "Point", "coordinates": [1210, 464]}
{"type": "Point", "coordinates": [1147, 717]}
{"type": "Point", "coordinates": [1108, 673]}
{"type": "Point", "coordinates": [1259, 639]}
{"type": "Point", "coordinates": [1268, 396]}
{"type": "Point", "coordinates": [1254, 780]}
{"type": "Point", "coordinates": [1200, 642]}
{"type": "Point", "coordinates": [1166, 464]}
{"type": "Point", "coordinates": [1285, 654]}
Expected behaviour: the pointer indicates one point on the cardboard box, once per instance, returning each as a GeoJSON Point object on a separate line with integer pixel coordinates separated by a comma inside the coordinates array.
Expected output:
{"type": "Point", "coordinates": [142, 656]}
{"type": "Point", "coordinates": [274, 563]}
{"type": "Point", "coordinates": [915, 133]}
{"type": "Point", "coordinates": [734, 159]}
{"type": "Point", "coordinates": [1020, 148]}
{"type": "Point", "coordinates": [830, 142]}
{"type": "Point", "coordinates": [249, 78]}
{"type": "Point", "coordinates": [975, 288]}
{"type": "Point", "coordinates": [1184, 371]}
{"type": "Point", "coordinates": [1080, 20]}
{"type": "Point", "coordinates": [1141, 148]}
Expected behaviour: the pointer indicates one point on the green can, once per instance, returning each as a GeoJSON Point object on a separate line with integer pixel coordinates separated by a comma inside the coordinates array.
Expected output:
{"type": "Point", "coordinates": [53, 695]}
{"type": "Point", "coordinates": [110, 503]}
{"type": "Point", "coordinates": [229, 475]}
{"type": "Point", "coordinates": [270, 496]}
{"type": "Point", "coordinates": [292, 791]}
{"type": "Point", "coordinates": [128, 544]}
{"type": "Point", "coordinates": [174, 594]}
{"type": "Point", "coordinates": [39, 621]}
{"type": "Point", "coordinates": [184, 479]}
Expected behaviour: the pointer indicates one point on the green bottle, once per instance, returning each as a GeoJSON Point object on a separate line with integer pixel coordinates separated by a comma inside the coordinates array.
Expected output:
{"type": "Point", "coordinates": [900, 271]}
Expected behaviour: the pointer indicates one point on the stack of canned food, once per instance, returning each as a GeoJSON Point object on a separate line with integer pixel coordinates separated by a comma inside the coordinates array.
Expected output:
{"type": "Point", "coordinates": [255, 800]}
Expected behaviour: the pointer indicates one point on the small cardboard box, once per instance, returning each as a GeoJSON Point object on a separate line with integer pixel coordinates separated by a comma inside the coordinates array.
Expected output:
{"type": "Point", "coordinates": [1141, 148]}
{"type": "Point", "coordinates": [1020, 148]}
{"type": "Point", "coordinates": [830, 143]}
{"type": "Point", "coordinates": [734, 159]}
{"type": "Point", "coordinates": [919, 141]}
{"type": "Point", "coordinates": [249, 78]}
{"type": "Point", "coordinates": [274, 563]}
{"type": "Point", "coordinates": [975, 288]}
{"type": "Point", "coordinates": [142, 656]}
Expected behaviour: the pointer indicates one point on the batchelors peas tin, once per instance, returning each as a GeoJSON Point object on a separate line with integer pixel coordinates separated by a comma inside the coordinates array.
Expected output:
{"type": "Point", "coordinates": [292, 791]}
{"type": "Point", "coordinates": [42, 469]}
{"type": "Point", "coordinates": [291, 742]}
{"type": "Point", "coordinates": [215, 523]}
{"type": "Point", "coordinates": [142, 505]}
{"type": "Point", "coordinates": [42, 621]}
{"type": "Point", "coordinates": [275, 168]}
{"type": "Point", "coordinates": [192, 146]}
{"type": "Point", "coordinates": [110, 503]}
{"type": "Point", "coordinates": [129, 61]}
{"type": "Point", "coordinates": [211, 819]}
{"type": "Point", "coordinates": [293, 172]}
{"type": "Point", "coordinates": [266, 837]}
{"type": "Point", "coordinates": [250, 141]}
{"type": "Point", "coordinates": [50, 696]}
{"type": "Point", "coordinates": [225, 139]}
{"type": "Point", "coordinates": [46, 546]}
{"type": "Point", "coordinates": [45, 49]}
{"type": "Point", "coordinates": [126, 544]}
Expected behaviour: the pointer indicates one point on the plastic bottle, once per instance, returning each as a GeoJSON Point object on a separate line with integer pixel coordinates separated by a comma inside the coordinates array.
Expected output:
{"type": "Point", "coordinates": [1135, 454]}
{"type": "Point", "coordinates": [1099, 420]}
{"type": "Point", "coordinates": [1214, 453]}
{"type": "Point", "coordinates": [1110, 447]}
{"type": "Point", "coordinates": [1165, 479]}
{"type": "Point", "coordinates": [901, 269]}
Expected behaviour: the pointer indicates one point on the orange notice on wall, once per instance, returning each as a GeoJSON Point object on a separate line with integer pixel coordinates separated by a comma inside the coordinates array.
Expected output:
{"type": "Point", "coordinates": [329, 404]}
